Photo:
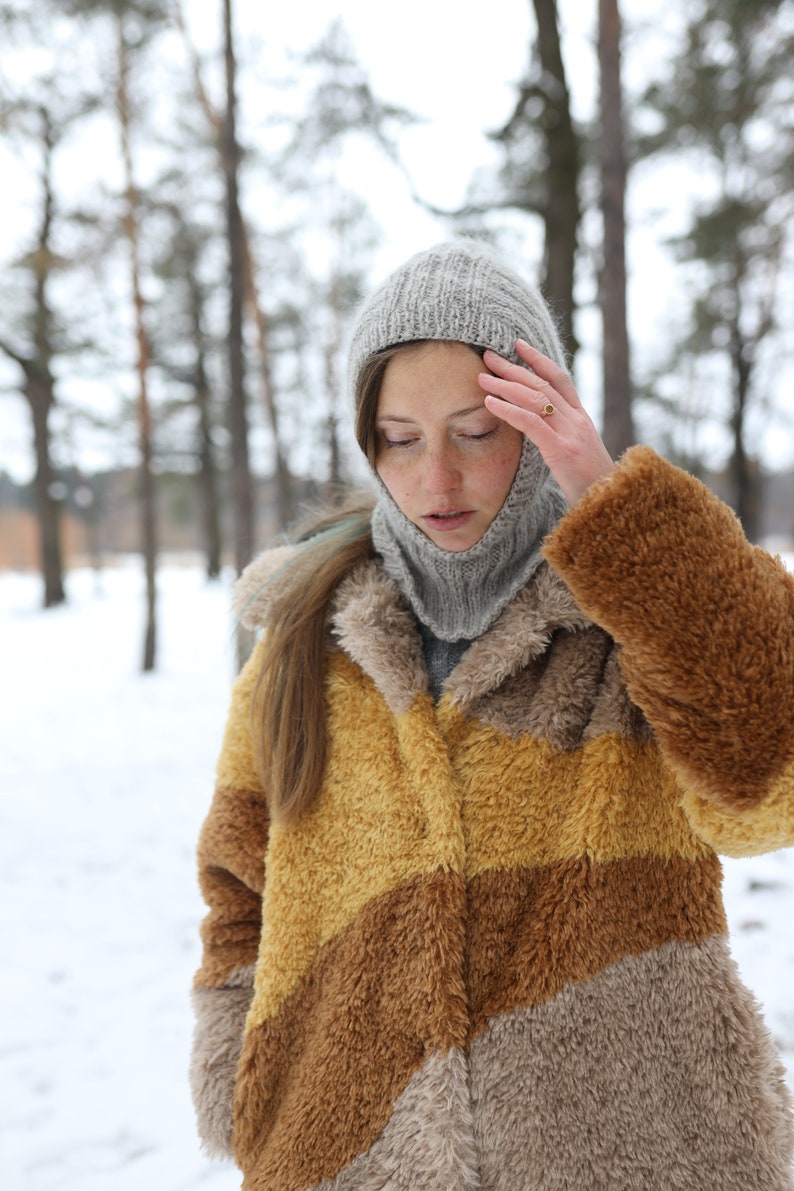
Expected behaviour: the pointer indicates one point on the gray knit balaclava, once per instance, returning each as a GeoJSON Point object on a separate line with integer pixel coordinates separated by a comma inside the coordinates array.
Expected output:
{"type": "Point", "coordinates": [461, 292]}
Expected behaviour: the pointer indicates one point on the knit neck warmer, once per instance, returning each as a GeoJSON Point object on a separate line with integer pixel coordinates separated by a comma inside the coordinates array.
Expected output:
{"type": "Point", "coordinates": [459, 594]}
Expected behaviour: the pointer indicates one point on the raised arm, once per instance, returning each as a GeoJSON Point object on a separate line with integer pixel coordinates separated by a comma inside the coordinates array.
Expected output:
{"type": "Point", "coordinates": [706, 625]}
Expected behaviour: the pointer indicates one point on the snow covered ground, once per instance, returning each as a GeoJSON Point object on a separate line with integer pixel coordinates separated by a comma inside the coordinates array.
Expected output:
{"type": "Point", "coordinates": [105, 776]}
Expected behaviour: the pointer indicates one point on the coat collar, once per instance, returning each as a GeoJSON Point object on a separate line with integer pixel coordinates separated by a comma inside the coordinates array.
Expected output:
{"type": "Point", "coordinates": [371, 622]}
{"type": "Point", "coordinates": [373, 625]}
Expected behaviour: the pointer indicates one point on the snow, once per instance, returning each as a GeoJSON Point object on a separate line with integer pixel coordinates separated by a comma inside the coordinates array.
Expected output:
{"type": "Point", "coordinates": [105, 777]}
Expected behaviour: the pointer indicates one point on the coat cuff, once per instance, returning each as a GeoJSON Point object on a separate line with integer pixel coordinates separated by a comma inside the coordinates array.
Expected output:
{"type": "Point", "coordinates": [217, 1042]}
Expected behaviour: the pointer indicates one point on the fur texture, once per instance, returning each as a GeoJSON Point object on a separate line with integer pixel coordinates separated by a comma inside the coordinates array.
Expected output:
{"type": "Point", "coordinates": [605, 1087]}
{"type": "Point", "coordinates": [708, 634]}
{"type": "Point", "coordinates": [492, 954]}
{"type": "Point", "coordinates": [218, 1040]}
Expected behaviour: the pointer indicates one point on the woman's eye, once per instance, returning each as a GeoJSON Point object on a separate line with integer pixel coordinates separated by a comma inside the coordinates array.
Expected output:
{"type": "Point", "coordinates": [482, 437]}
{"type": "Point", "coordinates": [397, 442]}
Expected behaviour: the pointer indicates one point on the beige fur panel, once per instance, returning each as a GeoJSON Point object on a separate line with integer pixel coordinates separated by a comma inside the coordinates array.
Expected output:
{"type": "Point", "coordinates": [521, 633]}
{"type": "Point", "coordinates": [428, 1142]}
{"type": "Point", "coordinates": [220, 1015]}
{"type": "Point", "coordinates": [657, 1074]}
{"type": "Point", "coordinates": [371, 622]}
{"type": "Point", "coordinates": [260, 584]}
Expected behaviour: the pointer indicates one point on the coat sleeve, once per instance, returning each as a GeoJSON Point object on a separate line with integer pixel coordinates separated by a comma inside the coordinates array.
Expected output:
{"type": "Point", "coordinates": [231, 854]}
{"type": "Point", "coordinates": [705, 622]}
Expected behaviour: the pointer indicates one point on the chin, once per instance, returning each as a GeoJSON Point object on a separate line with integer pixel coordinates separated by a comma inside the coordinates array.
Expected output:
{"type": "Point", "coordinates": [457, 547]}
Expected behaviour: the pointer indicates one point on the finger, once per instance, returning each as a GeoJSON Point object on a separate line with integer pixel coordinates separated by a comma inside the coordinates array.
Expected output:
{"type": "Point", "coordinates": [535, 398]}
{"type": "Point", "coordinates": [550, 371]}
{"type": "Point", "coordinates": [530, 422]}
{"type": "Point", "coordinates": [546, 375]}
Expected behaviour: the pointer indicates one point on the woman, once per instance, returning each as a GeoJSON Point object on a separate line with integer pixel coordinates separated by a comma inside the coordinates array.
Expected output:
{"type": "Point", "coordinates": [465, 923]}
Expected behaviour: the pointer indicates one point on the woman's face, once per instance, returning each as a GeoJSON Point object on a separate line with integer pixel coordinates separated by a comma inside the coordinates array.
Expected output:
{"type": "Point", "coordinates": [446, 461]}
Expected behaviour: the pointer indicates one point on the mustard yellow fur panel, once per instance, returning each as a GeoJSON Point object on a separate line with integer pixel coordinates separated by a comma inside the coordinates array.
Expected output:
{"type": "Point", "coordinates": [236, 768]}
{"type": "Point", "coordinates": [388, 811]}
{"type": "Point", "coordinates": [610, 800]}
{"type": "Point", "coordinates": [763, 827]}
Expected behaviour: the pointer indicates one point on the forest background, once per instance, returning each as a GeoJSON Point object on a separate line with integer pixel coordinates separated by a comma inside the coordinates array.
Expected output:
{"type": "Point", "coordinates": [178, 275]}
{"type": "Point", "coordinates": [195, 197]}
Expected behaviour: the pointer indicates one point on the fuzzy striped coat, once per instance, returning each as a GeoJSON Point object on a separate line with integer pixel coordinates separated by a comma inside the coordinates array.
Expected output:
{"type": "Point", "coordinates": [494, 954]}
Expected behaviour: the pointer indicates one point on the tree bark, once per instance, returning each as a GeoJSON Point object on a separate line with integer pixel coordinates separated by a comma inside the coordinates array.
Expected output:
{"type": "Point", "coordinates": [242, 500]}
{"type": "Point", "coordinates": [253, 300]}
{"type": "Point", "coordinates": [562, 209]}
{"type": "Point", "coordinates": [618, 423]}
{"type": "Point", "coordinates": [206, 455]}
{"type": "Point", "coordinates": [147, 495]}
{"type": "Point", "coordinates": [40, 391]}
{"type": "Point", "coordinates": [744, 471]}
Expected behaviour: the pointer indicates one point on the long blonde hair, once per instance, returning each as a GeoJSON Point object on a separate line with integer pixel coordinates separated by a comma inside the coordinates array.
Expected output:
{"type": "Point", "coordinates": [288, 712]}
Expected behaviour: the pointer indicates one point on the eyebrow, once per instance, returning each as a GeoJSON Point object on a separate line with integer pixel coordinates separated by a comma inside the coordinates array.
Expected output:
{"type": "Point", "coordinates": [458, 413]}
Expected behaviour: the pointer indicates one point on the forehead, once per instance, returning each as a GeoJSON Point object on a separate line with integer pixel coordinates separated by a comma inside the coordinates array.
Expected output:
{"type": "Point", "coordinates": [432, 377]}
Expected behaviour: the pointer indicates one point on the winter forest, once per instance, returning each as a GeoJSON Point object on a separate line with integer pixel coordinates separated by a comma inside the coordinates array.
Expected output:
{"type": "Point", "coordinates": [194, 208]}
{"type": "Point", "coordinates": [196, 194]}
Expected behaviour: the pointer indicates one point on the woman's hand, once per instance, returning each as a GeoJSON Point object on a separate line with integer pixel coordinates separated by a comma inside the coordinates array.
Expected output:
{"type": "Point", "coordinates": [565, 436]}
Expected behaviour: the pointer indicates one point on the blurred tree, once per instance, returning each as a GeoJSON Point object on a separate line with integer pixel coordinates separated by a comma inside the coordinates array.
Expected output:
{"type": "Point", "coordinates": [132, 231]}
{"type": "Point", "coordinates": [134, 23]}
{"type": "Point", "coordinates": [618, 422]}
{"type": "Point", "coordinates": [253, 299]}
{"type": "Point", "coordinates": [242, 494]}
{"type": "Point", "coordinates": [183, 347]}
{"type": "Point", "coordinates": [33, 345]}
{"type": "Point", "coordinates": [39, 111]}
{"type": "Point", "coordinates": [340, 111]}
{"type": "Point", "coordinates": [725, 103]}
{"type": "Point", "coordinates": [541, 169]}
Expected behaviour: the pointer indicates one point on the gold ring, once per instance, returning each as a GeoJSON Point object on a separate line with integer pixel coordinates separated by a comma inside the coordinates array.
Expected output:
{"type": "Point", "coordinates": [547, 410]}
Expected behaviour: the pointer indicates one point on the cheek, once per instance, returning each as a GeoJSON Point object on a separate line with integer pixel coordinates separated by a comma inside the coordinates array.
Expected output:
{"type": "Point", "coordinates": [502, 472]}
{"type": "Point", "coordinates": [392, 478]}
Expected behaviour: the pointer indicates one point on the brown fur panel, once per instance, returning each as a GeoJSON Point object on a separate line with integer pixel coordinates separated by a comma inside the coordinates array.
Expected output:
{"type": "Point", "coordinates": [231, 857]}
{"type": "Point", "coordinates": [217, 1041]}
{"type": "Point", "coordinates": [521, 633]}
{"type": "Point", "coordinates": [318, 1081]}
{"type": "Point", "coordinates": [373, 625]}
{"type": "Point", "coordinates": [706, 621]}
{"type": "Point", "coordinates": [656, 1075]}
{"type": "Point", "coordinates": [533, 931]}
{"type": "Point", "coordinates": [428, 1141]}
{"type": "Point", "coordinates": [613, 710]}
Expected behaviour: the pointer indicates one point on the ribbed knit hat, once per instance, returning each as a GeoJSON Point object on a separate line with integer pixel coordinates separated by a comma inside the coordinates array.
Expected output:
{"type": "Point", "coordinates": [461, 292]}
{"type": "Point", "coordinates": [458, 291]}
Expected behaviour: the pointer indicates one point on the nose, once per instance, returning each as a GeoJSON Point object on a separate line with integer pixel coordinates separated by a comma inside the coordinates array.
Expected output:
{"type": "Point", "coordinates": [441, 471]}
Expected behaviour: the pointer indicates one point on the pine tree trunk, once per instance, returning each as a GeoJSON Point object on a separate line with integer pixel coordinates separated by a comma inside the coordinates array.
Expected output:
{"type": "Point", "coordinates": [744, 473]}
{"type": "Point", "coordinates": [207, 472]}
{"type": "Point", "coordinates": [562, 210]}
{"type": "Point", "coordinates": [146, 495]}
{"type": "Point", "coordinates": [38, 389]}
{"type": "Point", "coordinates": [618, 429]}
{"type": "Point", "coordinates": [40, 392]}
{"type": "Point", "coordinates": [282, 472]}
{"type": "Point", "coordinates": [242, 499]}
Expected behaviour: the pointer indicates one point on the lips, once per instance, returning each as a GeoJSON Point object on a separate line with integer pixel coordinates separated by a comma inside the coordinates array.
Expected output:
{"type": "Point", "coordinates": [441, 522]}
